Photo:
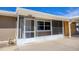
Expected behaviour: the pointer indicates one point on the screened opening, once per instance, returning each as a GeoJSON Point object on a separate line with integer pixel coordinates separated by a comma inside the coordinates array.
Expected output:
{"type": "Point", "coordinates": [57, 27]}
{"type": "Point", "coordinates": [40, 25]}
{"type": "Point", "coordinates": [43, 25]}
{"type": "Point", "coordinates": [29, 25]}
{"type": "Point", "coordinates": [43, 28]}
{"type": "Point", "coordinates": [47, 25]}
{"type": "Point", "coordinates": [29, 34]}
{"type": "Point", "coordinates": [29, 28]}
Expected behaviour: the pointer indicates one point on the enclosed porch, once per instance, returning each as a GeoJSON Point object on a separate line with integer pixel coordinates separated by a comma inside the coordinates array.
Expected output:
{"type": "Point", "coordinates": [34, 29]}
{"type": "Point", "coordinates": [38, 26]}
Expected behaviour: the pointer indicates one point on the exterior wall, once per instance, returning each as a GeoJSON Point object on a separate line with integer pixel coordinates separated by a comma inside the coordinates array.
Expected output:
{"type": "Point", "coordinates": [73, 28]}
{"type": "Point", "coordinates": [7, 28]}
{"type": "Point", "coordinates": [66, 28]}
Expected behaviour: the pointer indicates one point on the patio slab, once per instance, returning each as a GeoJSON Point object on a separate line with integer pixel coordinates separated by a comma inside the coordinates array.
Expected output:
{"type": "Point", "coordinates": [57, 45]}
{"type": "Point", "coordinates": [65, 44]}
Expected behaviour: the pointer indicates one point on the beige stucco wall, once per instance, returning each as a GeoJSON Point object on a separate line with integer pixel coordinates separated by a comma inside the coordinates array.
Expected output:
{"type": "Point", "coordinates": [7, 28]}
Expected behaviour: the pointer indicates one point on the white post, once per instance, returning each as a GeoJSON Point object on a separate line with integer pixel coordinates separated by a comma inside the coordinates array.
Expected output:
{"type": "Point", "coordinates": [69, 29]}
{"type": "Point", "coordinates": [63, 27]}
{"type": "Point", "coordinates": [35, 27]}
{"type": "Point", "coordinates": [17, 25]}
{"type": "Point", "coordinates": [51, 26]}
{"type": "Point", "coordinates": [24, 27]}
{"type": "Point", "coordinates": [17, 36]}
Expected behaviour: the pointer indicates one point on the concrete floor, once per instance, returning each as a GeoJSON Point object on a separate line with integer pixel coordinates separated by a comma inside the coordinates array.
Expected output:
{"type": "Point", "coordinates": [8, 48]}
{"type": "Point", "coordinates": [57, 45]}
{"type": "Point", "coordinates": [53, 45]}
{"type": "Point", "coordinates": [4, 46]}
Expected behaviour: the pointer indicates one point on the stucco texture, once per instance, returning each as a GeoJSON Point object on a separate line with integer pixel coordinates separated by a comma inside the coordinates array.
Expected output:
{"type": "Point", "coordinates": [7, 28]}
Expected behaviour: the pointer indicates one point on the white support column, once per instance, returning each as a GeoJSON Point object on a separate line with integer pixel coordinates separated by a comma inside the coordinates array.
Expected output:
{"type": "Point", "coordinates": [69, 29]}
{"type": "Point", "coordinates": [17, 34]}
{"type": "Point", "coordinates": [24, 27]}
{"type": "Point", "coordinates": [35, 27]}
{"type": "Point", "coordinates": [51, 27]}
{"type": "Point", "coordinates": [63, 27]}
